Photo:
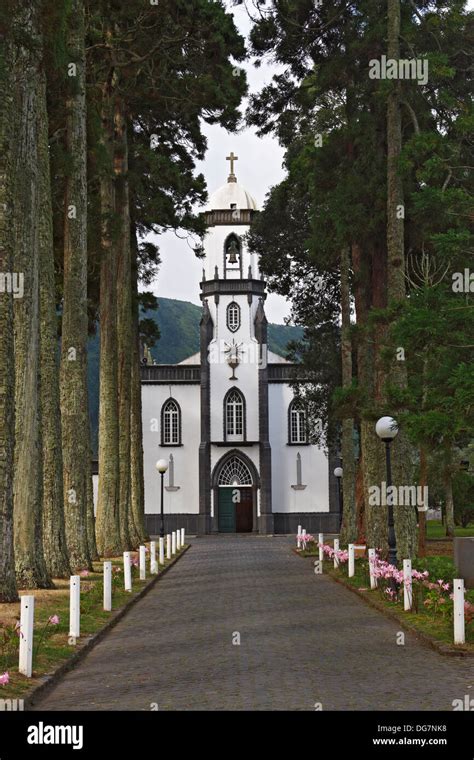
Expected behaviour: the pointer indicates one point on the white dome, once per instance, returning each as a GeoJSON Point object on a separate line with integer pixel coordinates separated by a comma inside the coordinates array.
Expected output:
{"type": "Point", "coordinates": [229, 194]}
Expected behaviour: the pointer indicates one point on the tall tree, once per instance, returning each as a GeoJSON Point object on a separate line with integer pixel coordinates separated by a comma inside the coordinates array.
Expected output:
{"type": "Point", "coordinates": [8, 592]}
{"type": "Point", "coordinates": [54, 535]}
{"type": "Point", "coordinates": [28, 492]}
{"type": "Point", "coordinates": [74, 406]}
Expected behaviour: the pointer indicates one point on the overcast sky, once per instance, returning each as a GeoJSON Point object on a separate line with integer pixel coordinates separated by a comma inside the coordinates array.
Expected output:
{"type": "Point", "coordinates": [259, 168]}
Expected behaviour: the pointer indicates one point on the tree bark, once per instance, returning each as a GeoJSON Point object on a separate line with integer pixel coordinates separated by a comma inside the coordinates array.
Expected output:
{"type": "Point", "coordinates": [108, 530]}
{"type": "Point", "coordinates": [124, 318]}
{"type": "Point", "coordinates": [8, 591]}
{"type": "Point", "coordinates": [349, 529]}
{"type": "Point", "coordinates": [28, 478]}
{"type": "Point", "coordinates": [422, 515]}
{"type": "Point", "coordinates": [75, 421]}
{"type": "Point", "coordinates": [448, 492]}
{"type": "Point", "coordinates": [137, 529]}
{"type": "Point", "coordinates": [405, 517]}
{"type": "Point", "coordinates": [54, 534]}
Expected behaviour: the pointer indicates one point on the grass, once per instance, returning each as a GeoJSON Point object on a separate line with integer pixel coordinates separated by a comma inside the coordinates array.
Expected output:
{"type": "Point", "coordinates": [435, 625]}
{"type": "Point", "coordinates": [53, 639]}
{"type": "Point", "coordinates": [436, 529]}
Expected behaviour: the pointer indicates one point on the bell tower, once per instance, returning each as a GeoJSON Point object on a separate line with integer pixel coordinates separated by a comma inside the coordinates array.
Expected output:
{"type": "Point", "coordinates": [234, 382]}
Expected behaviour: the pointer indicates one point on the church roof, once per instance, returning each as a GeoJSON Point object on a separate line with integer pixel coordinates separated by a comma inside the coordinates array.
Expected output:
{"type": "Point", "coordinates": [231, 195]}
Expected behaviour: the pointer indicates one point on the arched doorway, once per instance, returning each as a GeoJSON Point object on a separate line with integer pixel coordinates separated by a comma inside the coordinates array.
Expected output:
{"type": "Point", "coordinates": [235, 482]}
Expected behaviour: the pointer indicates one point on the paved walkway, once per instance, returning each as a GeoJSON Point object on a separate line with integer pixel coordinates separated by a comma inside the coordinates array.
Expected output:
{"type": "Point", "coordinates": [303, 640]}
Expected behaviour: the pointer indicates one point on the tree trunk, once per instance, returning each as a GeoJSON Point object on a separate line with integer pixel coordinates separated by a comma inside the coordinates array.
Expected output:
{"type": "Point", "coordinates": [75, 421]}
{"type": "Point", "coordinates": [8, 592]}
{"type": "Point", "coordinates": [90, 513]}
{"type": "Point", "coordinates": [28, 479]}
{"type": "Point", "coordinates": [54, 535]}
{"type": "Point", "coordinates": [348, 530]}
{"type": "Point", "coordinates": [124, 318]}
{"type": "Point", "coordinates": [422, 515]}
{"type": "Point", "coordinates": [108, 531]}
{"type": "Point", "coordinates": [448, 493]}
{"type": "Point", "coordinates": [405, 517]}
{"type": "Point", "coordinates": [137, 528]}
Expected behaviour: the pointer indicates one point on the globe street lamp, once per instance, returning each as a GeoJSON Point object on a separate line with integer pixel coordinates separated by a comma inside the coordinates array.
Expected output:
{"type": "Point", "coordinates": [386, 429]}
{"type": "Point", "coordinates": [338, 476]}
{"type": "Point", "coordinates": [162, 466]}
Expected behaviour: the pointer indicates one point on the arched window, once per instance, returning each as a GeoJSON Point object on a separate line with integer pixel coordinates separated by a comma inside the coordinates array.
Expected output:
{"type": "Point", "coordinates": [297, 425]}
{"type": "Point", "coordinates": [171, 423]}
{"type": "Point", "coordinates": [235, 473]}
{"type": "Point", "coordinates": [233, 316]}
{"type": "Point", "coordinates": [232, 255]}
{"type": "Point", "coordinates": [234, 416]}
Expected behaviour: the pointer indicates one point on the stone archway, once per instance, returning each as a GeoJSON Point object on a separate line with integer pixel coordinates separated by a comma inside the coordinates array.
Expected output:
{"type": "Point", "coordinates": [235, 482]}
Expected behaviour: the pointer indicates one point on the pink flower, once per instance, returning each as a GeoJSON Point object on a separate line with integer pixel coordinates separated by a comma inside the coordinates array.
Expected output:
{"type": "Point", "coordinates": [4, 679]}
{"type": "Point", "coordinates": [54, 620]}
{"type": "Point", "coordinates": [84, 573]}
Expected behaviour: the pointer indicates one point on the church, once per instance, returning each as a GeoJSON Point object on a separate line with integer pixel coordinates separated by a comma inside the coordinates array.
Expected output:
{"type": "Point", "coordinates": [237, 444]}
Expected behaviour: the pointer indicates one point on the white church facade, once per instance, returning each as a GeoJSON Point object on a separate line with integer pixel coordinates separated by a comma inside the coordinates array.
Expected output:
{"type": "Point", "coordinates": [237, 444]}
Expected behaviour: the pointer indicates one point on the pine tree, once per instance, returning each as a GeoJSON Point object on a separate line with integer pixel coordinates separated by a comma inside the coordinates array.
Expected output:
{"type": "Point", "coordinates": [8, 592]}
{"type": "Point", "coordinates": [28, 477]}
{"type": "Point", "coordinates": [74, 406]}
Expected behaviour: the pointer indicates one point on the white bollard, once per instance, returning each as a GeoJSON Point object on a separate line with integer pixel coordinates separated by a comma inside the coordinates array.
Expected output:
{"type": "Point", "coordinates": [75, 607]}
{"type": "Point", "coordinates": [459, 626]}
{"type": "Point", "coordinates": [127, 571]}
{"type": "Point", "coordinates": [27, 614]}
{"type": "Point", "coordinates": [168, 546]}
{"type": "Point", "coordinates": [178, 539]}
{"type": "Point", "coordinates": [336, 549]}
{"type": "Point", "coordinates": [142, 562]}
{"type": "Point", "coordinates": [298, 537]}
{"type": "Point", "coordinates": [173, 542]}
{"type": "Point", "coordinates": [373, 579]}
{"type": "Point", "coordinates": [321, 541]}
{"type": "Point", "coordinates": [182, 536]}
{"type": "Point", "coordinates": [107, 586]}
{"type": "Point", "coordinates": [162, 551]}
{"type": "Point", "coordinates": [153, 562]}
{"type": "Point", "coordinates": [407, 585]}
{"type": "Point", "coordinates": [351, 561]}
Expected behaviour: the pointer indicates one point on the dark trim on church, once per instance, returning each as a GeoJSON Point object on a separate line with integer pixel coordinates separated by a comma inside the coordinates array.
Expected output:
{"type": "Point", "coordinates": [266, 514]}
{"type": "Point", "coordinates": [284, 523]}
{"type": "Point", "coordinates": [206, 333]}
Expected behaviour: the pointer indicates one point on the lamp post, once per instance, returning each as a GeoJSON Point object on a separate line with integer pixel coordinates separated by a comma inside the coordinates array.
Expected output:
{"type": "Point", "coordinates": [387, 429]}
{"type": "Point", "coordinates": [162, 466]}
{"type": "Point", "coordinates": [338, 474]}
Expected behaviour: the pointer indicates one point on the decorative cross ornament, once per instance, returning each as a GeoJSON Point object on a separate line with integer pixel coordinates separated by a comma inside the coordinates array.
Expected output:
{"type": "Point", "coordinates": [232, 158]}
{"type": "Point", "coordinates": [234, 352]}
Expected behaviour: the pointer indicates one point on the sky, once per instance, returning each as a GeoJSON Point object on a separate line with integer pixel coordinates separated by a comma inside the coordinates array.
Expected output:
{"type": "Point", "coordinates": [259, 168]}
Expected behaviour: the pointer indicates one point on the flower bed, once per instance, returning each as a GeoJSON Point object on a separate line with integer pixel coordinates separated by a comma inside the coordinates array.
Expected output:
{"type": "Point", "coordinates": [432, 597]}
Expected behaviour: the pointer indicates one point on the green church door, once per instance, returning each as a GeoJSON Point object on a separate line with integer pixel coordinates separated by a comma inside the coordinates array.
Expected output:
{"type": "Point", "coordinates": [235, 510]}
{"type": "Point", "coordinates": [226, 511]}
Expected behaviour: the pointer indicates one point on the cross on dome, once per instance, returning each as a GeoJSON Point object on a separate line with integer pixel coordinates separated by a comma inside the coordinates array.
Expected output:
{"type": "Point", "coordinates": [232, 158]}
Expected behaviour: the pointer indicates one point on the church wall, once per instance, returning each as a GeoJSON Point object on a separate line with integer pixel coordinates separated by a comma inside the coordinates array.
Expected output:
{"type": "Point", "coordinates": [186, 474]}
{"type": "Point", "coordinates": [314, 498]}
